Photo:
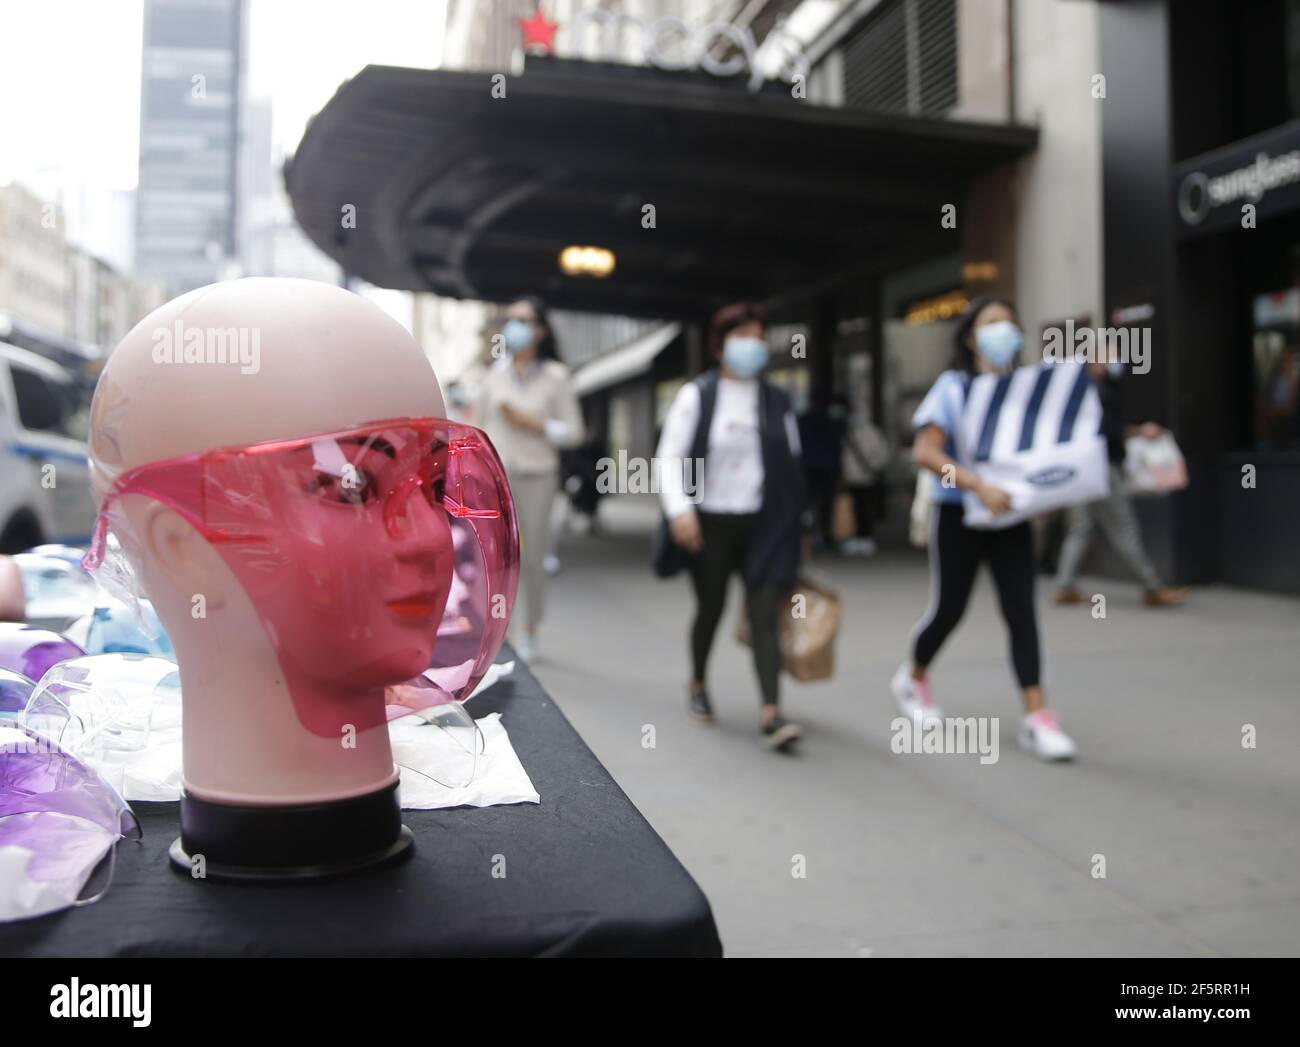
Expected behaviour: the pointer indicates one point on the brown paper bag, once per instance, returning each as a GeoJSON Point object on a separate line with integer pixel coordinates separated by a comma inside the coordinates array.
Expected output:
{"type": "Point", "coordinates": [809, 626]}
{"type": "Point", "coordinates": [844, 519]}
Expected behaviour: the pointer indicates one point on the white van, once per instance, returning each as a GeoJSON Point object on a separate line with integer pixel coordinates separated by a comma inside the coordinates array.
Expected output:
{"type": "Point", "coordinates": [44, 476]}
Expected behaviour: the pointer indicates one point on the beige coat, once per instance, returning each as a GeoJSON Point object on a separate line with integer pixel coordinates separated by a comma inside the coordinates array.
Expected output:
{"type": "Point", "coordinates": [544, 390]}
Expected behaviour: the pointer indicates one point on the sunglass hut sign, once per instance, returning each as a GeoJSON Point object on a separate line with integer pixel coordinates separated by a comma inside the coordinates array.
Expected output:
{"type": "Point", "coordinates": [671, 44]}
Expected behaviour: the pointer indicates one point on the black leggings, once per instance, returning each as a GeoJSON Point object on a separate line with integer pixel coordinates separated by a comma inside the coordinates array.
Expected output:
{"type": "Point", "coordinates": [822, 485]}
{"type": "Point", "coordinates": [955, 554]}
{"type": "Point", "coordinates": [726, 538]}
{"type": "Point", "coordinates": [866, 506]}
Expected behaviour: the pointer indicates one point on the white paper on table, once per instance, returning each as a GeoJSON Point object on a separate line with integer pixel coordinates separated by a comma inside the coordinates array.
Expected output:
{"type": "Point", "coordinates": [499, 777]}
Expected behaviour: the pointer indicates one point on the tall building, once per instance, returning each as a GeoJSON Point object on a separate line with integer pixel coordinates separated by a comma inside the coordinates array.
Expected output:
{"type": "Point", "coordinates": [270, 241]}
{"type": "Point", "coordinates": [257, 188]}
{"type": "Point", "coordinates": [34, 274]}
{"type": "Point", "coordinates": [187, 228]}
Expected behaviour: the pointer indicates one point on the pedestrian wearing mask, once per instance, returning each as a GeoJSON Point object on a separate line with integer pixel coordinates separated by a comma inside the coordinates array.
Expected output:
{"type": "Point", "coordinates": [1114, 513]}
{"type": "Point", "coordinates": [529, 409]}
{"type": "Point", "coordinates": [743, 517]}
{"type": "Point", "coordinates": [865, 456]}
{"type": "Point", "coordinates": [821, 436]}
{"type": "Point", "coordinates": [988, 340]}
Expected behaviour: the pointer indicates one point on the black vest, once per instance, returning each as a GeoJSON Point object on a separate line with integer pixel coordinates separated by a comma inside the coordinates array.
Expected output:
{"type": "Point", "coordinates": [773, 553]}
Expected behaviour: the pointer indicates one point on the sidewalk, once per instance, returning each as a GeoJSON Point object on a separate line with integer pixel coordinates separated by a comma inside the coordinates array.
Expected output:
{"type": "Point", "coordinates": [938, 854]}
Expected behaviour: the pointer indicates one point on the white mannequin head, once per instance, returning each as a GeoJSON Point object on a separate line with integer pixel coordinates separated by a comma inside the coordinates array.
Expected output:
{"type": "Point", "coordinates": [314, 358]}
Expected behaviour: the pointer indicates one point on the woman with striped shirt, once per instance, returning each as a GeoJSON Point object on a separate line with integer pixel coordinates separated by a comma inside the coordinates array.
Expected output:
{"type": "Point", "coordinates": [988, 340]}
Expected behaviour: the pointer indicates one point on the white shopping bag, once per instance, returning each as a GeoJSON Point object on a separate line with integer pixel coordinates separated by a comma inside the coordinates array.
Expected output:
{"type": "Point", "coordinates": [918, 529]}
{"type": "Point", "coordinates": [1153, 465]}
{"type": "Point", "coordinates": [1035, 433]}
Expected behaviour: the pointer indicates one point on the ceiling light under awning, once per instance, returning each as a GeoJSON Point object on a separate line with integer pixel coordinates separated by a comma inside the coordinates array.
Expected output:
{"type": "Point", "coordinates": [576, 260]}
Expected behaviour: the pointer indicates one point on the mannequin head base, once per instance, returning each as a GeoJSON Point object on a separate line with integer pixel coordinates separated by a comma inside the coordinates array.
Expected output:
{"type": "Point", "coordinates": [290, 843]}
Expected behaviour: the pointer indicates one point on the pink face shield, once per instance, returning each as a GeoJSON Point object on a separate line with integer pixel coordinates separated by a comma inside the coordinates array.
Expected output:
{"type": "Point", "coordinates": [376, 556]}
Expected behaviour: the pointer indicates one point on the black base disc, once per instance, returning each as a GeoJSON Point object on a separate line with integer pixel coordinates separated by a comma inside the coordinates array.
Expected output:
{"type": "Point", "coordinates": [225, 841]}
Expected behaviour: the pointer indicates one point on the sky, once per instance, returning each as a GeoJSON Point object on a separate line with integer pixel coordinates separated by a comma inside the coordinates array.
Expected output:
{"type": "Point", "coordinates": [70, 76]}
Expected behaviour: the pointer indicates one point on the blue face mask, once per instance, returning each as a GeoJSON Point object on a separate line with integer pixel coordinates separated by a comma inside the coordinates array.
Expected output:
{"type": "Point", "coordinates": [745, 357]}
{"type": "Point", "coordinates": [999, 343]}
{"type": "Point", "coordinates": [518, 335]}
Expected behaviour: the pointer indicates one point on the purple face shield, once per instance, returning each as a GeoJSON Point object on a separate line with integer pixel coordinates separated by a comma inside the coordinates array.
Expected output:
{"type": "Point", "coordinates": [58, 820]}
{"type": "Point", "coordinates": [31, 652]}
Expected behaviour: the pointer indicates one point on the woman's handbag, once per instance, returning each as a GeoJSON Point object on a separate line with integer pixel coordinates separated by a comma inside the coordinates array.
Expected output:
{"type": "Point", "coordinates": [844, 519]}
{"type": "Point", "coordinates": [807, 631]}
{"type": "Point", "coordinates": [918, 528]}
{"type": "Point", "coordinates": [667, 558]}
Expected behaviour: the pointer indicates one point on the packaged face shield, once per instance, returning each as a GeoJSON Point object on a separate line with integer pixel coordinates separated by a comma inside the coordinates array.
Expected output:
{"type": "Point", "coordinates": [69, 554]}
{"type": "Point", "coordinates": [58, 820]}
{"type": "Point", "coordinates": [114, 628]}
{"type": "Point", "coordinates": [372, 556]}
{"type": "Point", "coordinates": [56, 588]}
{"type": "Point", "coordinates": [119, 714]}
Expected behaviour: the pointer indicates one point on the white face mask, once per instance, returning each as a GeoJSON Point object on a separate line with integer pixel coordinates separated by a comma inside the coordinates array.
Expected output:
{"type": "Point", "coordinates": [32, 882]}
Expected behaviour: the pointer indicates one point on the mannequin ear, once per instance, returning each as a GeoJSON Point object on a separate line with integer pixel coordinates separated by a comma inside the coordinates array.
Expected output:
{"type": "Point", "coordinates": [181, 553]}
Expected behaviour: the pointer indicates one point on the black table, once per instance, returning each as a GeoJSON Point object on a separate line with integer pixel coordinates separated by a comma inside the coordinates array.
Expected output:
{"type": "Point", "coordinates": [586, 875]}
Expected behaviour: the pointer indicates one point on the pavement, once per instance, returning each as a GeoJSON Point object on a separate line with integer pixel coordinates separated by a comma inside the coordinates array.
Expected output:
{"type": "Point", "coordinates": [1166, 837]}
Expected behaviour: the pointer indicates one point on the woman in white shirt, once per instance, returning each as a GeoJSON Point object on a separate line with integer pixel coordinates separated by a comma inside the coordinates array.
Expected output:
{"type": "Point", "coordinates": [529, 409]}
{"type": "Point", "coordinates": [731, 488]}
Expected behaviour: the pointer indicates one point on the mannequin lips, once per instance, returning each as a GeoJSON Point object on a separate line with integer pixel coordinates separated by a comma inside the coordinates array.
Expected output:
{"type": "Point", "coordinates": [417, 607]}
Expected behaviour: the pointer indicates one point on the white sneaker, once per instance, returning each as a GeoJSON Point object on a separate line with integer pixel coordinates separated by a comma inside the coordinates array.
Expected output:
{"type": "Point", "coordinates": [858, 547]}
{"type": "Point", "coordinates": [914, 697]}
{"type": "Point", "coordinates": [526, 648]}
{"type": "Point", "coordinates": [1041, 735]}
{"type": "Point", "coordinates": [551, 564]}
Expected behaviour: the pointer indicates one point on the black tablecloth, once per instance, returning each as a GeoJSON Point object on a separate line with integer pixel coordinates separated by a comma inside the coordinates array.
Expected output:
{"type": "Point", "coordinates": [585, 875]}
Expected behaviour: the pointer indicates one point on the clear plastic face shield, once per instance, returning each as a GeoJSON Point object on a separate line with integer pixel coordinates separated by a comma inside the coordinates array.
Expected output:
{"type": "Point", "coordinates": [382, 560]}
{"type": "Point", "coordinates": [117, 713]}
{"type": "Point", "coordinates": [453, 745]}
{"type": "Point", "coordinates": [15, 690]}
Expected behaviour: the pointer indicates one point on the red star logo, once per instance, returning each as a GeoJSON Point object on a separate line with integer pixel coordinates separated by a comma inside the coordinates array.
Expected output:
{"type": "Point", "coordinates": [538, 32]}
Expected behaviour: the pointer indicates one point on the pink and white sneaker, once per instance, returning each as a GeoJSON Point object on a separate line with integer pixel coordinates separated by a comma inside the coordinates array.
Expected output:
{"type": "Point", "coordinates": [1041, 735]}
{"type": "Point", "coordinates": [914, 698]}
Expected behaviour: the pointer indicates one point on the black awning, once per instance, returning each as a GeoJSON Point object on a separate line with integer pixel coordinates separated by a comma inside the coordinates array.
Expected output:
{"type": "Point", "coordinates": [471, 196]}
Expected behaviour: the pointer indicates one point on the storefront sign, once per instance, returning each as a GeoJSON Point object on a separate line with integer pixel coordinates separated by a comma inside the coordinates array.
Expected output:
{"type": "Point", "coordinates": [670, 44]}
{"type": "Point", "coordinates": [1212, 191]}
